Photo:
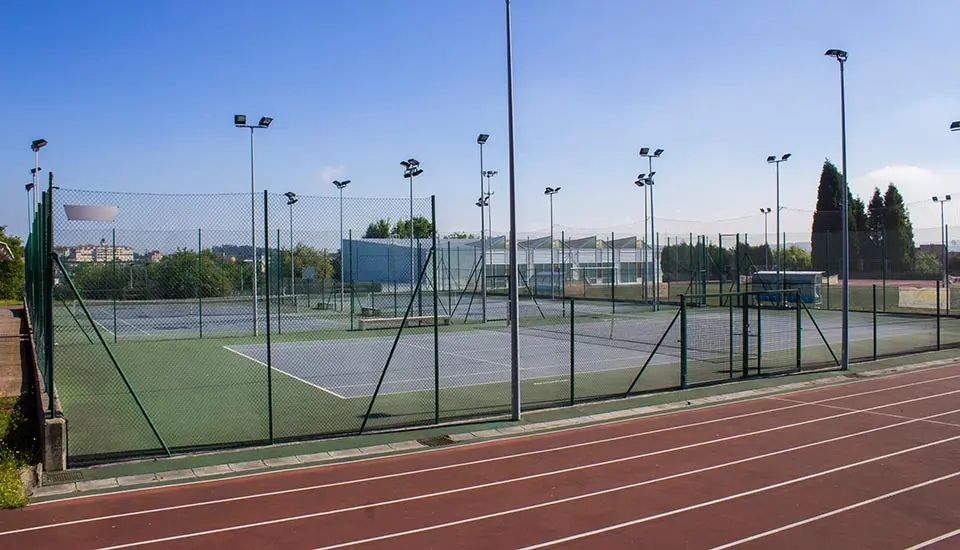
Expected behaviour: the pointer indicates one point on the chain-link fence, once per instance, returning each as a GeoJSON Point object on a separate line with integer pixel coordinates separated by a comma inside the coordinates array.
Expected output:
{"type": "Point", "coordinates": [274, 318]}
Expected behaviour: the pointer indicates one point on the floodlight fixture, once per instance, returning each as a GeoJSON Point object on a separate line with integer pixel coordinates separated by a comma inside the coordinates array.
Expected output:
{"type": "Point", "coordinates": [291, 198]}
{"type": "Point", "coordinates": [785, 156]}
{"type": "Point", "coordinates": [482, 138]}
{"type": "Point", "coordinates": [239, 120]}
{"type": "Point", "coordinates": [489, 173]}
{"type": "Point", "coordinates": [265, 121]}
{"type": "Point", "coordinates": [650, 177]}
{"type": "Point", "coordinates": [35, 171]}
{"type": "Point", "coordinates": [341, 184]}
{"type": "Point", "coordinates": [37, 144]}
{"type": "Point", "coordinates": [771, 158]}
{"type": "Point", "coordinates": [639, 183]}
{"type": "Point", "coordinates": [28, 186]}
{"type": "Point", "coordinates": [551, 190]}
{"type": "Point", "coordinates": [955, 126]}
{"type": "Point", "coordinates": [766, 210]}
{"type": "Point", "coordinates": [658, 152]}
{"type": "Point", "coordinates": [644, 151]}
{"type": "Point", "coordinates": [839, 55]}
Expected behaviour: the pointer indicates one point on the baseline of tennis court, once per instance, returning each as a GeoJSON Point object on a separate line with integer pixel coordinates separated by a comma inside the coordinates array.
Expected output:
{"type": "Point", "coordinates": [865, 464]}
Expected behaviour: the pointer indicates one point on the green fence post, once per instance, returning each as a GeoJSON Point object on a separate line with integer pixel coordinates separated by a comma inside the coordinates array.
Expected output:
{"type": "Point", "coordinates": [683, 342]}
{"type": "Point", "coordinates": [874, 322]}
{"type": "Point", "coordinates": [47, 299]}
{"type": "Point", "coordinates": [759, 334]}
{"type": "Point", "coordinates": [436, 307]}
{"type": "Point", "coordinates": [200, 279]}
{"type": "Point", "coordinates": [113, 281]}
{"type": "Point", "coordinates": [350, 260]}
{"type": "Point", "coordinates": [730, 303]}
{"type": "Point", "coordinates": [419, 268]}
{"type": "Point", "coordinates": [796, 303]}
{"type": "Point", "coordinates": [266, 266]}
{"type": "Point", "coordinates": [572, 353]}
{"type": "Point", "coordinates": [938, 315]}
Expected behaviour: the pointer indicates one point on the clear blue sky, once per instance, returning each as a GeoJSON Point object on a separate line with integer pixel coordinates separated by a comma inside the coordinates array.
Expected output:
{"type": "Point", "coordinates": [139, 96]}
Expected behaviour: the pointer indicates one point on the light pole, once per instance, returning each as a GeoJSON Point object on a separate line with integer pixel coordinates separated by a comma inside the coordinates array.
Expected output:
{"type": "Point", "coordinates": [292, 200]}
{"type": "Point", "coordinates": [774, 160]}
{"type": "Point", "coordinates": [550, 192]}
{"type": "Point", "coordinates": [766, 243]}
{"type": "Point", "coordinates": [841, 57]}
{"type": "Point", "coordinates": [645, 181]}
{"type": "Point", "coordinates": [513, 290]}
{"type": "Point", "coordinates": [489, 175]}
{"type": "Point", "coordinates": [340, 185]}
{"type": "Point", "coordinates": [482, 202]}
{"type": "Point", "coordinates": [645, 152]}
{"type": "Point", "coordinates": [30, 206]}
{"type": "Point", "coordinates": [411, 169]}
{"type": "Point", "coordinates": [943, 237]}
{"type": "Point", "coordinates": [481, 139]}
{"type": "Point", "coordinates": [35, 146]}
{"type": "Point", "coordinates": [240, 121]}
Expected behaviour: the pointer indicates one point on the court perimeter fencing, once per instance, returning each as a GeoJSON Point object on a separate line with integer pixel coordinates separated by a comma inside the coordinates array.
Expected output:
{"type": "Point", "coordinates": [151, 339]}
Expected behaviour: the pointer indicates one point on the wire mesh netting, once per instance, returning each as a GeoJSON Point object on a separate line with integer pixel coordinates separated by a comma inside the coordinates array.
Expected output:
{"type": "Point", "coordinates": [270, 319]}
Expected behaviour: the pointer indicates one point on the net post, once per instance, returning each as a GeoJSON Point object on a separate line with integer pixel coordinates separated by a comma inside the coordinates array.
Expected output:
{"type": "Point", "coordinates": [683, 342]}
{"type": "Point", "coordinates": [266, 266]}
{"type": "Point", "coordinates": [874, 322]}
{"type": "Point", "coordinates": [938, 315]}
{"type": "Point", "coordinates": [200, 279]}
{"type": "Point", "coordinates": [113, 282]}
{"type": "Point", "coordinates": [436, 307]}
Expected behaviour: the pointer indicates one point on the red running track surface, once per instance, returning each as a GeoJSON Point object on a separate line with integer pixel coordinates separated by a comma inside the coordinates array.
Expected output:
{"type": "Point", "coordinates": [870, 464]}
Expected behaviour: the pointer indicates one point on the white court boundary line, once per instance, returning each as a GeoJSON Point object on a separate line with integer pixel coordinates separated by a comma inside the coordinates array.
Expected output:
{"type": "Point", "coordinates": [735, 496]}
{"type": "Point", "coordinates": [552, 502]}
{"type": "Point", "coordinates": [612, 422]}
{"type": "Point", "coordinates": [298, 379]}
{"type": "Point", "coordinates": [836, 511]}
{"type": "Point", "coordinates": [935, 540]}
{"type": "Point", "coordinates": [494, 459]}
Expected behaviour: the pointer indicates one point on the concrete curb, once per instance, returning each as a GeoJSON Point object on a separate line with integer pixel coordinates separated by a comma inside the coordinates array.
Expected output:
{"type": "Point", "coordinates": [127, 482]}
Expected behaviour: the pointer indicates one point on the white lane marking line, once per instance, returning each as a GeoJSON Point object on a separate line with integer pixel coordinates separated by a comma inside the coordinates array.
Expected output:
{"type": "Point", "coordinates": [839, 408]}
{"type": "Point", "coordinates": [523, 436]}
{"type": "Point", "coordinates": [446, 467]}
{"type": "Point", "coordinates": [733, 496]}
{"type": "Point", "coordinates": [835, 512]}
{"type": "Point", "coordinates": [297, 378]}
{"type": "Point", "coordinates": [935, 540]}
{"type": "Point", "coordinates": [554, 502]}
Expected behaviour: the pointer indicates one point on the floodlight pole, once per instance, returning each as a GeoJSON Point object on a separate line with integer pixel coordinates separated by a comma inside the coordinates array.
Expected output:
{"type": "Point", "coordinates": [551, 191]}
{"type": "Point", "coordinates": [514, 304]}
{"type": "Point", "coordinates": [291, 200]}
{"type": "Point", "coordinates": [766, 242]}
{"type": "Point", "coordinates": [36, 174]}
{"type": "Point", "coordinates": [645, 152]}
{"type": "Point", "coordinates": [943, 238]}
{"type": "Point", "coordinates": [841, 57]}
{"type": "Point", "coordinates": [253, 237]}
{"type": "Point", "coordinates": [483, 246]}
{"type": "Point", "coordinates": [340, 185]}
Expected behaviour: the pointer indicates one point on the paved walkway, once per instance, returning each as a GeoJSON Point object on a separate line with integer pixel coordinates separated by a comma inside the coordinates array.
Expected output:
{"type": "Point", "coordinates": [11, 372]}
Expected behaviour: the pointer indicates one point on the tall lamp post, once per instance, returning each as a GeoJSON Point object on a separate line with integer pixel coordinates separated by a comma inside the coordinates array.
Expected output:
{"type": "Point", "coordinates": [550, 192]}
{"type": "Point", "coordinates": [772, 159]}
{"type": "Point", "coordinates": [240, 121]}
{"type": "Point", "coordinates": [645, 152]}
{"type": "Point", "coordinates": [30, 206]}
{"type": "Point", "coordinates": [489, 193]}
{"type": "Point", "coordinates": [340, 185]}
{"type": "Point", "coordinates": [483, 202]}
{"type": "Point", "coordinates": [292, 200]}
{"type": "Point", "coordinates": [411, 169]}
{"type": "Point", "coordinates": [35, 146]}
{"type": "Point", "coordinates": [943, 237]}
{"type": "Point", "coordinates": [645, 181]}
{"type": "Point", "coordinates": [481, 139]}
{"type": "Point", "coordinates": [766, 243]}
{"type": "Point", "coordinates": [841, 57]}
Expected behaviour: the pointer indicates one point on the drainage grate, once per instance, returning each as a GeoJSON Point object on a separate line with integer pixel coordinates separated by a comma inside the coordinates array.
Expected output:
{"type": "Point", "coordinates": [438, 441]}
{"type": "Point", "coordinates": [62, 477]}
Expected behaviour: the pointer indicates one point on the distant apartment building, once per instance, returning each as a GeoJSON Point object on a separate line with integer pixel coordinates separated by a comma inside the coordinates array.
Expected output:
{"type": "Point", "coordinates": [101, 253]}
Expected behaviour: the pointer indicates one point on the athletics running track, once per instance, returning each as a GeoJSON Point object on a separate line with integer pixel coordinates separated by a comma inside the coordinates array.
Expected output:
{"type": "Point", "coordinates": [869, 464]}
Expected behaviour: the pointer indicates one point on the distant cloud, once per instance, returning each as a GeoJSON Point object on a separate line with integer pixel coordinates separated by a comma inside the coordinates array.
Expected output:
{"type": "Point", "coordinates": [330, 173]}
{"type": "Point", "coordinates": [915, 183]}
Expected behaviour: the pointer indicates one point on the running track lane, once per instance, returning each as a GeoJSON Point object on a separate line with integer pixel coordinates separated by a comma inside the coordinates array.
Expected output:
{"type": "Point", "coordinates": [739, 469]}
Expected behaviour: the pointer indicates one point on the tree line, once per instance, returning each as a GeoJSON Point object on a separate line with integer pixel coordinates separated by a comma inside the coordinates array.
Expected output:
{"type": "Point", "coordinates": [881, 240]}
